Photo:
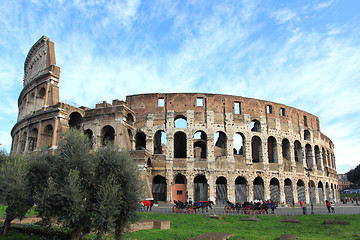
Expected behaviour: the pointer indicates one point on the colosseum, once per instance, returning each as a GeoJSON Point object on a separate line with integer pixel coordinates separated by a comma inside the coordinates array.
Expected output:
{"type": "Point", "coordinates": [187, 145]}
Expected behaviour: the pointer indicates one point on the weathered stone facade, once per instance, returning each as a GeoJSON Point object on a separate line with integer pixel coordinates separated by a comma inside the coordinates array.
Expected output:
{"type": "Point", "coordinates": [188, 145]}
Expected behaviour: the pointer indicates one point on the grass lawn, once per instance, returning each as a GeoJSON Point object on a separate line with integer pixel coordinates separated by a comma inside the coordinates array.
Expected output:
{"type": "Point", "coordinates": [185, 226]}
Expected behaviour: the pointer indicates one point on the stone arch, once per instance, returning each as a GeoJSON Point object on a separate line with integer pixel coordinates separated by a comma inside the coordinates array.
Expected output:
{"type": "Point", "coordinates": [256, 149]}
{"type": "Point", "coordinates": [30, 102]}
{"type": "Point", "coordinates": [307, 135]}
{"type": "Point", "coordinates": [317, 157]}
{"type": "Point", "coordinates": [321, 192]}
{"type": "Point", "coordinates": [179, 188]}
{"type": "Point", "coordinates": [259, 189]}
{"type": "Point", "coordinates": [75, 120]}
{"type": "Point", "coordinates": [220, 144]}
{"type": "Point", "coordinates": [130, 119]}
{"type": "Point", "coordinates": [33, 139]}
{"type": "Point", "coordinates": [159, 188]}
{"type": "Point", "coordinates": [255, 126]}
{"type": "Point", "coordinates": [89, 133]}
{"type": "Point", "coordinates": [160, 142]}
{"type": "Point", "coordinates": [288, 190]}
{"type": "Point", "coordinates": [201, 188]}
{"type": "Point", "coordinates": [239, 144]}
{"type": "Point", "coordinates": [272, 150]}
{"type": "Point", "coordinates": [221, 190]}
{"type": "Point", "coordinates": [328, 159]}
{"type": "Point", "coordinates": [23, 141]}
{"type": "Point", "coordinates": [180, 145]}
{"type": "Point", "coordinates": [300, 188]}
{"type": "Point", "coordinates": [309, 156]}
{"type": "Point", "coordinates": [324, 157]}
{"type": "Point", "coordinates": [180, 121]}
{"type": "Point", "coordinates": [240, 190]}
{"type": "Point", "coordinates": [332, 192]}
{"type": "Point", "coordinates": [327, 189]}
{"type": "Point", "coordinates": [200, 144]}
{"type": "Point", "coordinates": [275, 190]}
{"type": "Point", "coordinates": [107, 135]}
{"type": "Point", "coordinates": [298, 151]}
{"type": "Point", "coordinates": [140, 141]}
{"type": "Point", "coordinates": [40, 98]}
{"type": "Point", "coordinates": [312, 192]}
{"type": "Point", "coordinates": [47, 135]}
{"type": "Point", "coordinates": [286, 149]}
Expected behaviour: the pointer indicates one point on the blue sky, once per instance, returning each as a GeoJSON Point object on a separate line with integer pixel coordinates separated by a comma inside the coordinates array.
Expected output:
{"type": "Point", "coordinates": [304, 54]}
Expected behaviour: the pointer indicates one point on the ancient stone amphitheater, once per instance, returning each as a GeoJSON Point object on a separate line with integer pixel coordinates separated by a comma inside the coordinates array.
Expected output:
{"type": "Point", "coordinates": [187, 145]}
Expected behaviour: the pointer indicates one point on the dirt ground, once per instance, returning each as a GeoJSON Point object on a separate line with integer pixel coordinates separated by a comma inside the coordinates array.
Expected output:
{"type": "Point", "coordinates": [24, 220]}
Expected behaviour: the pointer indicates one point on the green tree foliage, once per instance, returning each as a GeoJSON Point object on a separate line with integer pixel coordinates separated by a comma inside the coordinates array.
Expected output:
{"type": "Point", "coordinates": [354, 175]}
{"type": "Point", "coordinates": [87, 190]}
{"type": "Point", "coordinates": [15, 191]}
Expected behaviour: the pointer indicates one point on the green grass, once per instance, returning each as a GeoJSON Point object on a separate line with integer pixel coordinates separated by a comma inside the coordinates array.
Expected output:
{"type": "Point", "coordinates": [185, 226]}
{"type": "Point", "coordinates": [32, 211]}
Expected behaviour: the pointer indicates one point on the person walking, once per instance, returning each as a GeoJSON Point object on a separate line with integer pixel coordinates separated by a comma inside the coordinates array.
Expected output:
{"type": "Point", "coordinates": [332, 207]}
{"type": "Point", "coordinates": [328, 205]}
{"type": "Point", "coordinates": [301, 204]}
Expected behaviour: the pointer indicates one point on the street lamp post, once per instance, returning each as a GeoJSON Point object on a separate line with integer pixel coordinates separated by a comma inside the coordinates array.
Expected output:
{"type": "Point", "coordinates": [308, 170]}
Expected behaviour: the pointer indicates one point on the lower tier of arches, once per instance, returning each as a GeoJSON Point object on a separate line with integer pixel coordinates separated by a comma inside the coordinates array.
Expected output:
{"type": "Point", "coordinates": [220, 188]}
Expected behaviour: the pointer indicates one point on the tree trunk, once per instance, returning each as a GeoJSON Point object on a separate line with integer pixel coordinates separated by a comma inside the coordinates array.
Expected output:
{"type": "Point", "coordinates": [6, 226]}
{"type": "Point", "coordinates": [76, 233]}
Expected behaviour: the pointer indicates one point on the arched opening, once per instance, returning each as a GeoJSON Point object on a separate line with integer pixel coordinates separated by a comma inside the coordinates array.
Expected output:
{"type": "Point", "coordinates": [200, 144]}
{"type": "Point", "coordinates": [275, 190]}
{"type": "Point", "coordinates": [107, 135]}
{"type": "Point", "coordinates": [220, 142]}
{"type": "Point", "coordinates": [180, 122]}
{"type": "Point", "coordinates": [201, 188]}
{"type": "Point", "coordinates": [159, 188]}
{"type": "Point", "coordinates": [239, 144]}
{"type": "Point", "coordinates": [160, 142]}
{"type": "Point", "coordinates": [221, 190]}
{"type": "Point", "coordinates": [286, 149]}
{"type": "Point", "coordinates": [318, 157]}
{"type": "Point", "coordinates": [140, 141]}
{"type": "Point", "coordinates": [75, 120]}
{"type": "Point", "coordinates": [130, 135]}
{"type": "Point", "coordinates": [47, 135]}
{"type": "Point", "coordinates": [301, 191]}
{"type": "Point", "coordinates": [180, 145]}
{"type": "Point", "coordinates": [298, 151]}
{"type": "Point", "coordinates": [272, 150]}
{"type": "Point", "coordinates": [33, 139]}
{"type": "Point", "coordinates": [312, 192]}
{"type": "Point", "coordinates": [309, 156]}
{"type": "Point", "coordinates": [324, 157]}
{"type": "Point", "coordinates": [307, 135]}
{"type": "Point", "coordinates": [332, 192]}
{"type": "Point", "coordinates": [23, 142]}
{"type": "Point", "coordinates": [259, 189]}
{"type": "Point", "coordinates": [256, 149]}
{"type": "Point", "coordinates": [240, 190]}
{"type": "Point", "coordinates": [255, 126]}
{"type": "Point", "coordinates": [321, 192]}
{"type": "Point", "coordinates": [90, 136]}
{"type": "Point", "coordinates": [327, 191]}
{"type": "Point", "coordinates": [40, 98]}
{"type": "Point", "coordinates": [130, 119]}
{"type": "Point", "coordinates": [179, 188]}
{"type": "Point", "coordinates": [288, 190]}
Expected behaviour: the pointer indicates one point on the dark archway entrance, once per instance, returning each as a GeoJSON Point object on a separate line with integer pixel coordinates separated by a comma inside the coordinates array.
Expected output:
{"type": "Point", "coordinates": [240, 190]}
{"type": "Point", "coordinates": [200, 188]}
{"type": "Point", "coordinates": [221, 190]}
{"type": "Point", "coordinates": [159, 188]}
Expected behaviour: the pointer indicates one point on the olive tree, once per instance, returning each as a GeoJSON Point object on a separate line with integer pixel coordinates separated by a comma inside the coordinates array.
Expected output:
{"type": "Point", "coordinates": [15, 191]}
{"type": "Point", "coordinates": [89, 190]}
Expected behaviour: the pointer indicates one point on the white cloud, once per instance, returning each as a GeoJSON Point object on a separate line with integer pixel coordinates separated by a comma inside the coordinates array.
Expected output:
{"type": "Point", "coordinates": [285, 15]}
{"type": "Point", "coordinates": [323, 5]}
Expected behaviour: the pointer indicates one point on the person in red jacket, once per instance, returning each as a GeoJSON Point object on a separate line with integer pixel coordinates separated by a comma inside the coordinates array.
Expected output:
{"type": "Point", "coordinates": [301, 204]}
{"type": "Point", "coordinates": [327, 205]}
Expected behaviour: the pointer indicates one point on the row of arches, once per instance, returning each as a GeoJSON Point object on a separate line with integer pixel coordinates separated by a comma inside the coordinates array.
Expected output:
{"type": "Point", "coordinates": [287, 192]}
{"type": "Point", "coordinates": [31, 102]}
{"type": "Point", "coordinates": [200, 147]}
